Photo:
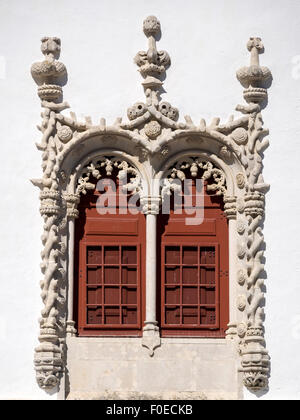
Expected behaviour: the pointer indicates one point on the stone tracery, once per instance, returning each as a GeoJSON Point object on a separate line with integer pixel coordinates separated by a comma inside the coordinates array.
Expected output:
{"type": "Point", "coordinates": [152, 127]}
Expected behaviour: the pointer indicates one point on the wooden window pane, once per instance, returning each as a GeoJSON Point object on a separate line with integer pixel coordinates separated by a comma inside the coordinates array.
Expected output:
{"type": "Point", "coordinates": [129, 295]}
{"type": "Point", "coordinates": [129, 255]}
{"type": "Point", "coordinates": [129, 316]}
{"type": "Point", "coordinates": [94, 295]}
{"type": "Point", "coordinates": [190, 255]}
{"type": "Point", "coordinates": [111, 295]}
{"type": "Point", "coordinates": [129, 275]}
{"type": "Point", "coordinates": [207, 275]}
{"type": "Point", "coordinates": [189, 295]}
{"type": "Point", "coordinates": [172, 275]}
{"type": "Point", "coordinates": [208, 316]}
{"type": "Point", "coordinates": [207, 255]}
{"type": "Point", "coordinates": [94, 315]}
{"type": "Point", "coordinates": [94, 255]}
{"type": "Point", "coordinates": [111, 275]}
{"type": "Point", "coordinates": [94, 275]}
{"type": "Point", "coordinates": [111, 255]}
{"type": "Point", "coordinates": [190, 275]}
{"type": "Point", "coordinates": [112, 315]}
{"type": "Point", "coordinates": [173, 255]}
{"type": "Point", "coordinates": [172, 315]}
{"type": "Point", "coordinates": [190, 315]}
{"type": "Point", "coordinates": [207, 295]}
{"type": "Point", "coordinates": [173, 295]}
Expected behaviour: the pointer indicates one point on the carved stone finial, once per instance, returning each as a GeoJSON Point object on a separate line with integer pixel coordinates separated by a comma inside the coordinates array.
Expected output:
{"type": "Point", "coordinates": [51, 47]}
{"type": "Point", "coordinates": [254, 76]}
{"type": "Point", "coordinates": [152, 64]}
{"type": "Point", "coordinates": [151, 26]}
{"type": "Point", "coordinates": [49, 74]}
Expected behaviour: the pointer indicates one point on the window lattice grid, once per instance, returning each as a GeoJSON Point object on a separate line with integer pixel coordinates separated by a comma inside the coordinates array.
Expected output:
{"type": "Point", "coordinates": [190, 286]}
{"type": "Point", "coordinates": [112, 285]}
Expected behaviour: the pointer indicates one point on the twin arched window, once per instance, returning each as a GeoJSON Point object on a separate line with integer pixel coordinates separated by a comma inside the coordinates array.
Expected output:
{"type": "Point", "coordinates": [192, 268]}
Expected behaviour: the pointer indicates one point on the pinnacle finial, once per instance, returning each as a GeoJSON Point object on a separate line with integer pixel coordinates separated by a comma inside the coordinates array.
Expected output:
{"type": "Point", "coordinates": [152, 64]}
{"type": "Point", "coordinates": [49, 74]}
{"type": "Point", "coordinates": [50, 47]}
{"type": "Point", "coordinates": [254, 76]}
{"type": "Point", "coordinates": [151, 26]}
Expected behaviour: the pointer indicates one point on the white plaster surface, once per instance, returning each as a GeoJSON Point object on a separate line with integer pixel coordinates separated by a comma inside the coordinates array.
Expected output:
{"type": "Point", "coordinates": [206, 42]}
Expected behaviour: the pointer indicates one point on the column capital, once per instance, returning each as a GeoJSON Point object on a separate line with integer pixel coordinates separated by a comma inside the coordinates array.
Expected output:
{"type": "Point", "coordinates": [230, 206]}
{"type": "Point", "coordinates": [72, 201]}
{"type": "Point", "coordinates": [151, 204]}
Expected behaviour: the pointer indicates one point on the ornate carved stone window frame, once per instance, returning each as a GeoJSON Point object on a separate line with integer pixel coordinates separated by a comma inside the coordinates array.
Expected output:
{"type": "Point", "coordinates": [147, 147]}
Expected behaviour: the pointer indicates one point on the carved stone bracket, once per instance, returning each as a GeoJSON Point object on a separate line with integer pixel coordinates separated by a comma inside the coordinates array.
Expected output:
{"type": "Point", "coordinates": [148, 136]}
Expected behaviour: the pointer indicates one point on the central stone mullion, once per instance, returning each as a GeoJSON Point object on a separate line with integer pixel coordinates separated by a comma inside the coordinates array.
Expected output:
{"type": "Point", "coordinates": [151, 337]}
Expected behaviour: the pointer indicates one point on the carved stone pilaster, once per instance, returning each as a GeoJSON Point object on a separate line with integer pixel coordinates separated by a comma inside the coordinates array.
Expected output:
{"type": "Point", "coordinates": [255, 359]}
{"type": "Point", "coordinates": [48, 355]}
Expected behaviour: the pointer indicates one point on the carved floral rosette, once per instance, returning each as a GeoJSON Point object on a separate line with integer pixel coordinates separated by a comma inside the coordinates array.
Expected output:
{"type": "Point", "coordinates": [147, 138]}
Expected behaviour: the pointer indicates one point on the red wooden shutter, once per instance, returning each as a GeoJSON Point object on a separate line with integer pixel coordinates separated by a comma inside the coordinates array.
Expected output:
{"type": "Point", "coordinates": [110, 250]}
{"type": "Point", "coordinates": [194, 272]}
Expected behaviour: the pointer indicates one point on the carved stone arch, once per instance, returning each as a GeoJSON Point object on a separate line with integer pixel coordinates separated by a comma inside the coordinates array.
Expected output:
{"type": "Point", "coordinates": [229, 169]}
{"type": "Point", "coordinates": [96, 165]}
{"type": "Point", "coordinates": [105, 153]}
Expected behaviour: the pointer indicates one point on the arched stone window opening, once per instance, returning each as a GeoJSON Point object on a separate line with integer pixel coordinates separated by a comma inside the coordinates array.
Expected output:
{"type": "Point", "coordinates": [155, 142]}
{"type": "Point", "coordinates": [193, 248]}
{"type": "Point", "coordinates": [109, 262]}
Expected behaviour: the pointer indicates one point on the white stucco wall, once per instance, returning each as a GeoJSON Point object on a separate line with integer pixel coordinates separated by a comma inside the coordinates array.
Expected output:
{"type": "Point", "coordinates": [206, 42]}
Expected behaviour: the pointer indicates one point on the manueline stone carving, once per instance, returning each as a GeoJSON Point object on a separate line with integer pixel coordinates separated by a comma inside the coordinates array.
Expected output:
{"type": "Point", "coordinates": [229, 155]}
{"type": "Point", "coordinates": [209, 171]}
{"type": "Point", "coordinates": [106, 165]}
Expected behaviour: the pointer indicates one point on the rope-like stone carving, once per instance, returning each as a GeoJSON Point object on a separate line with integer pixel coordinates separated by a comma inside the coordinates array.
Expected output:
{"type": "Point", "coordinates": [151, 130]}
{"type": "Point", "coordinates": [255, 359]}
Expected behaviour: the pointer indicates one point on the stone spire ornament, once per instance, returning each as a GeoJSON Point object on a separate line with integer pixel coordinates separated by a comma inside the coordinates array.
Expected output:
{"type": "Point", "coordinates": [49, 74]}
{"type": "Point", "coordinates": [254, 76]}
{"type": "Point", "coordinates": [151, 118]}
{"type": "Point", "coordinates": [153, 63]}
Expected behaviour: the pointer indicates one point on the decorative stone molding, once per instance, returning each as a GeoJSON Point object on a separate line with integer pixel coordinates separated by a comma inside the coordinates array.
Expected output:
{"type": "Point", "coordinates": [195, 166]}
{"type": "Point", "coordinates": [150, 205]}
{"type": "Point", "coordinates": [126, 173]}
{"type": "Point", "coordinates": [230, 155]}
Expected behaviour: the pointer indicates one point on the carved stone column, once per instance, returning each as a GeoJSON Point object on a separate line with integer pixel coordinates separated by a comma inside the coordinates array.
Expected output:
{"type": "Point", "coordinates": [50, 76]}
{"type": "Point", "coordinates": [230, 212]}
{"type": "Point", "coordinates": [255, 358]}
{"type": "Point", "coordinates": [151, 337]}
{"type": "Point", "coordinates": [48, 358]}
{"type": "Point", "coordinates": [72, 201]}
{"type": "Point", "coordinates": [255, 79]}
